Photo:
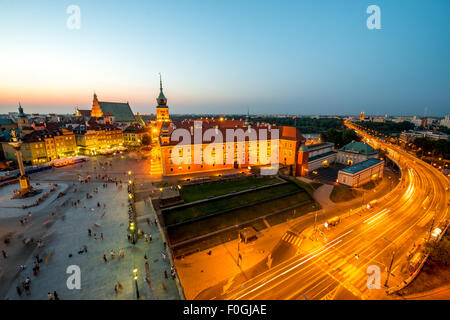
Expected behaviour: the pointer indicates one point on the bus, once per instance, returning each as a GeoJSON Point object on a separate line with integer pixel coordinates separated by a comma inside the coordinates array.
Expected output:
{"type": "Point", "coordinates": [333, 222]}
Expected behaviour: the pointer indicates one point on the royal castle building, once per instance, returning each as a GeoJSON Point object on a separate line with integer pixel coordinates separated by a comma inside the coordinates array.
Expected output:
{"type": "Point", "coordinates": [202, 145]}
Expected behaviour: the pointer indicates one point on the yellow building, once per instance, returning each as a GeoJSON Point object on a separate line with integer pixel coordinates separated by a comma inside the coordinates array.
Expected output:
{"type": "Point", "coordinates": [41, 146]}
{"type": "Point", "coordinates": [255, 149]}
{"type": "Point", "coordinates": [96, 137]}
{"type": "Point", "coordinates": [133, 136]}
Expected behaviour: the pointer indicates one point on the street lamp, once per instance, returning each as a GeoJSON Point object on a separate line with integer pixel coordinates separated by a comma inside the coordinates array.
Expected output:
{"type": "Point", "coordinates": [135, 277]}
{"type": "Point", "coordinates": [132, 228]}
{"type": "Point", "coordinates": [390, 265]}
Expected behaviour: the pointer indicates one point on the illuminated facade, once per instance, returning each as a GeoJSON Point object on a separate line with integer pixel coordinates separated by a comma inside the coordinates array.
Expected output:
{"type": "Point", "coordinates": [255, 149]}
{"type": "Point", "coordinates": [90, 140]}
{"type": "Point", "coordinates": [41, 146]}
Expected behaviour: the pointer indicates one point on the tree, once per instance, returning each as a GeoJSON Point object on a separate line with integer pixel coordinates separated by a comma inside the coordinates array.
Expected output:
{"type": "Point", "coordinates": [349, 136]}
{"type": "Point", "coordinates": [338, 137]}
{"type": "Point", "coordinates": [440, 251]}
{"type": "Point", "coordinates": [146, 139]}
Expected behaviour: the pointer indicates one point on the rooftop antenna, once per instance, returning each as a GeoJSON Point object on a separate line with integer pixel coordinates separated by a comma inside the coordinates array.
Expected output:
{"type": "Point", "coordinates": [160, 82]}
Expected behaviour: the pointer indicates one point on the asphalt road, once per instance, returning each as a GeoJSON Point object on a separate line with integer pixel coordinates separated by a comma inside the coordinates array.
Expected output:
{"type": "Point", "coordinates": [336, 266]}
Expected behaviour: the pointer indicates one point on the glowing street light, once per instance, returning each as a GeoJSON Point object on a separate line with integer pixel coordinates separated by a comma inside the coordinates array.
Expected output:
{"type": "Point", "coordinates": [135, 277]}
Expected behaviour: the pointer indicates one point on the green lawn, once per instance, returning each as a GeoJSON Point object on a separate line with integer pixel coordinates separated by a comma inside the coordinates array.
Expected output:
{"type": "Point", "coordinates": [197, 228]}
{"type": "Point", "coordinates": [203, 191]}
{"type": "Point", "coordinates": [177, 215]}
{"type": "Point", "coordinates": [316, 185]}
{"type": "Point", "coordinates": [310, 188]}
{"type": "Point", "coordinates": [342, 194]}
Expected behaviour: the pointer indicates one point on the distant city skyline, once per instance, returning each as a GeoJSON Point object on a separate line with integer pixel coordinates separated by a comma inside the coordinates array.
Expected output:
{"type": "Point", "coordinates": [288, 57]}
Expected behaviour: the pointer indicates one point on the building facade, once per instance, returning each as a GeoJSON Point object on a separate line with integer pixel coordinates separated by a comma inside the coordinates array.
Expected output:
{"type": "Point", "coordinates": [315, 156]}
{"type": "Point", "coordinates": [224, 144]}
{"type": "Point", "coordinates": [95, 137]}
{"type": "Point", "coordinates": [355, 152]}
{"type": "Point", "coordinates": [133, 136]}
{"type": "Point", "coordinates": [41, 146]}
{"type": "Point", "coordinates": [361, 173]}
{"type": "Point", "coordinates": [111, 111]}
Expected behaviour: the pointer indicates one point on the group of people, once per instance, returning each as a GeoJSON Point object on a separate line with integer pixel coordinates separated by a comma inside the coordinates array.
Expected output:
{"type": "Point", "coordinates": [95, 234]}
{"type": "Point", "coordinates": [24, 220]}
{"type": "Point", "coordinates": [118, 288]}
{"type": "Point", "coordinates": [25, 286]}
{"type": "Point", "coordinates": [53, 296]}
{"type": "Point", "coordinates": [119, 254]}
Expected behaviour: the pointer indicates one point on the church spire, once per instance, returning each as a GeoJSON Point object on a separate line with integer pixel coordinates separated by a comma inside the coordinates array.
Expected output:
{"type": "Point", "coordinates": [21, 114]}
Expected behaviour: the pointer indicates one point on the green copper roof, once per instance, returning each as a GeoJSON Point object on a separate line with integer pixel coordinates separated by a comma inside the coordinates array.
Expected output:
{"type": "Point", "coordinates": [362, 165]}
{"type": "Point", "coordinates": [303, 148]}
{"type": "Point", "coordinates": [121, 111]}
{"type": "Point", "coordinates": [359, 147]}
{"type": "Point", "coordinates": [5, 121]}
{"type": "Point", "coordinates": [161, 96]}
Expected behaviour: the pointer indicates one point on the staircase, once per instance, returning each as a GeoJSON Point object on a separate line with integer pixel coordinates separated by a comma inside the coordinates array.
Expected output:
{"type": "Point", "coordinates": [156, 169]}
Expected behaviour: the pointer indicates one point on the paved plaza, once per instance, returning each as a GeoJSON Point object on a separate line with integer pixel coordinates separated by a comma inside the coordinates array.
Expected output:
{"type": "Point", "coordinates": [63, 227]}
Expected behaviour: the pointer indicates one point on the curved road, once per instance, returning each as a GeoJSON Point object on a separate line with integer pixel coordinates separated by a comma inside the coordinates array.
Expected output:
{"type": "Point", "coordinates": [336, 266]}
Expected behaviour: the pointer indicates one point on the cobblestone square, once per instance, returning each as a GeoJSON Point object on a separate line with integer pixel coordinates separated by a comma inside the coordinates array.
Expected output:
{"type": "Point", "coordinates": [63, 229]}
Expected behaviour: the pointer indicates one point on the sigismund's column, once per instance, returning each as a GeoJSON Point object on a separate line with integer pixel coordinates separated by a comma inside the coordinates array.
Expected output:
{"type": "Point", "coordinates": [24, 180]}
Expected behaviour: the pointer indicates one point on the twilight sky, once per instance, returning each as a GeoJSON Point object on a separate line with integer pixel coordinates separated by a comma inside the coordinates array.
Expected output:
{"type": "Point", "coordinates": [223, 56]}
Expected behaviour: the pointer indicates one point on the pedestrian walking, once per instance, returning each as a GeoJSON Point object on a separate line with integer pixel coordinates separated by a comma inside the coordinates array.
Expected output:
{"type": "Point", "coordinates": [165, 274]}
{"type": "Point", "coordinates": [112, 254]}
{"type": "Point", "coordinates": [27, 288]}
{"type": "Point", "coordinates": [56, 295]}
{"type": "Point", "coordinates": [116, 289]}
{"type": "Point", "coordinates": [50, 296]}
{"type": "Point", "coordinates": [105, 257]}
{"type": "Point", "coordinates": [4, 254]}
{"type": "Point", "coordinates": [150, 237]}
{"type": "Point", "coordinates": [101, 235]}
{"type": "Point", "coordinates": [19, 291]}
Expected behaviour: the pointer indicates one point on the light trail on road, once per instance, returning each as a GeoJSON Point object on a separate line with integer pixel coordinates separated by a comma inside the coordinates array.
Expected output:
{"type": "Point", "coordinates": [397, 224]}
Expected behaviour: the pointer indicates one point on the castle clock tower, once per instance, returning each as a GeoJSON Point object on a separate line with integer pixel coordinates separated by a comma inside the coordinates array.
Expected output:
{"type": "Point", "coordinates": [162, 110]}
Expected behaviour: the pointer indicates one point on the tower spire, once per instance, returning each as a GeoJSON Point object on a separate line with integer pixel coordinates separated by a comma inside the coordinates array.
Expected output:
{"type": "Point", "coordinates": [162, 101]}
